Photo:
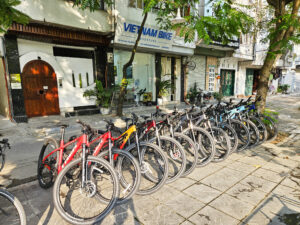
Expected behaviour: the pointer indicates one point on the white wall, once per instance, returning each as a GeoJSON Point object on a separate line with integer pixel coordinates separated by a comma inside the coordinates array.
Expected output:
{"type": "Point", "coordinates": [62, 12]}
{"type": "Point", "coordinates": [198, 75]}
{"type": "Point", "coordinates": [69, 96]}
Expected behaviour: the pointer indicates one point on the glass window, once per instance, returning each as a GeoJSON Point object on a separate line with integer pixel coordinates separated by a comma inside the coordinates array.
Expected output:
{"type": "Point", "coordinates": [211, 80]}
{"type": "Point", "coordinates": [132, 3]}
{"type": "Point", "coordinates": [140, 4]}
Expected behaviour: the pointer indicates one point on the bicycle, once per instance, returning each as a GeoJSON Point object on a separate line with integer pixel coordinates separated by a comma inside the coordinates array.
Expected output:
{"type": "Point", "coordinates": [9, 214]}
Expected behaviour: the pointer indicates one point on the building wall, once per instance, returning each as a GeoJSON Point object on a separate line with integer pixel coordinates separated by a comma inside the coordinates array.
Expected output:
{"type": "Point", "coordinates": [68, 95]}
{"type": "Point", "coordinates": [229, 63]}
{"type": "Point", "coordinates": [198, 75]}
{"type": "Point", "coordinates": [4, 107]}
{"type": "Point", "coordinates": [63, 13]}
{"type": "Point", "coordinates": [211, 62]}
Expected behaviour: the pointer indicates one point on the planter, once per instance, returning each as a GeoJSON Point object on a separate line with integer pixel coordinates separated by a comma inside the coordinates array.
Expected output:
{"type": "Point", "coordinates": [104, 111]}
{"type": "Point", "coordinates": [159, 101]}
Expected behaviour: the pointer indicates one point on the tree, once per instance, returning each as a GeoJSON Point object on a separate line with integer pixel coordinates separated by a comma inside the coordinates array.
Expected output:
{"type": "Point", "coordinates": [9, 14]}
{"type": "Point", "coordinates": [282, 32]}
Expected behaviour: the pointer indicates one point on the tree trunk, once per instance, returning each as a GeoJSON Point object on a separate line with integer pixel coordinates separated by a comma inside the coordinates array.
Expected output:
{"type": "Point", "coordinates": [129, 63]}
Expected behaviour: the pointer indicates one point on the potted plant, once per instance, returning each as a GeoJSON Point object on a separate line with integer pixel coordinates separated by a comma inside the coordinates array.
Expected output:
{"type": "Point", "coordinates": [164, 88]}
{"type": "Point", "coordinates": [103, 96]}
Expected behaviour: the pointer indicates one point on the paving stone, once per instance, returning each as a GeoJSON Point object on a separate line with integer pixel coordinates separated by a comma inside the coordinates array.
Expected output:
{"type": "Point", "coordinates": [275, 167]}
{"type": "Point", "coordinates": [184, 205]}
{"type": "Point", "coordinates": [258, 183]}
{"type": "Point", "coordinates": [259, 218]}
{"type": "Point", "coordinates": [236, 156]}
{"type": "Point", "coordinates": [165, 193]}
{"type": "Point", "coordinates": [224, 179]}
{"type": "Point", "coordinates": [209, 215]}
{"type": "Point", "coordinates": [182, 183]}
{"type": "Point", "coordinates": [285, 162]}
{"type": "Point", "coordinates": [292, 182]}
{"type": "Point", "coordinates": [257, 160]}
{"type": "Point", "coordinates": [292, 193]}
{"type": "Point", "coordinates": [202, 192]}
{"type": "Point", "coordinates": [186, 222]}
{"type": "Point", "coordinates": [239, 166]}
{"type": "Point", "coordinates": [224, 163]}
{"type": "Point", "coordinates": [202, 172]}
{"type": "Point", "coordinates": [269, 175]}
{"type": "Point", "coordinates": [232, 206]}
{"type": "Point", "coordinates": [246, 193]}
{"type": "Point", "coordinates": [161, 214]}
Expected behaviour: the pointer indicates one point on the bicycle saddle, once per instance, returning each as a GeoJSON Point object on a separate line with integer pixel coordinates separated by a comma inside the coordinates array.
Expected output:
{"type": "Point", "coordinates": [126, 119]}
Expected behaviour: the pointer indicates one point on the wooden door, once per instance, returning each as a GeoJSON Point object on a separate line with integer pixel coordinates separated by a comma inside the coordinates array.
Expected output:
{"type": "Point", "coordinates": [227, 82]}
{"type": "Point", "coordinates": [40, 89]}
{"type": "Point", "coordinates": [249, 82]}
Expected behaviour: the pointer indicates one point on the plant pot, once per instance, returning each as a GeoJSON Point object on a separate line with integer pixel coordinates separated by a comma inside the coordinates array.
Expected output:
{"type": "Point", "coordinates": [104, 111]}
{"type": "Point", "coordinates": [159, 101]}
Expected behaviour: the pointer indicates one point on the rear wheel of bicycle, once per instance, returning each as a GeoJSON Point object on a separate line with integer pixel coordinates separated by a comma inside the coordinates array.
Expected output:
{"type": "Point", "coordinates": [271, 127]}
{"type": "Point", "coordinates": [234, 140]}
{"type": "Point", "coordinates": [176, 156]}
{"type": "Point", "coordinates": [242, 133]}
{"type": "Point", "coordinates": [11, 209]}
{"type": "Point", "coordinates": [46, 169]}
{"type": "Point", "coordinates": [154, 166]}
{"type": "Point", "coordinates": [254, 133]}
{"type": "Point", "coordinates": [82, 203]}
{"type": "Point", "coordinates": [128, 171]}
{"type": "Point", "coordinates": [191, 152]}
{"type": "Point", "coordinates": [2, 161]}
{"type": "Point", "coordinates": [263, 134]}
{"type": "Point", "coordinates": [204, 143]}
{"type": "Point", "coordinates": [222, 144]}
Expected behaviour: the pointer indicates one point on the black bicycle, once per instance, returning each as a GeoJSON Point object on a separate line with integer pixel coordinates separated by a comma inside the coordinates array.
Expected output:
{"type": "Point", "coordinates": [11, 209]}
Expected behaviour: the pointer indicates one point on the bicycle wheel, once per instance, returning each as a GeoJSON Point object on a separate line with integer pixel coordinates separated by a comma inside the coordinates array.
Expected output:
{"type": "Point", "coordinates": [263, 134]}
{"type": "Point", "coordinates": [242, 133]}
{"type": "Point", "coordinates": [2, 161]}
{"type": "Point", "coordinates": [154, 166]}
{"type": "Point", "coordinates": [204, 143]}
{"type": "Point", "coordinates": [82, 203]}
{"type": "Point", "coordinates": [234, 140]}
{"type": "Point", "coordinates": [254, 133]}
{"type": "Point", "coordinates": [191, 152]}
{"type": "Point", "coordinates": [222, 144]}
{"type": "Point", "coordinates": [128, 171]}
{"type": "Point", "coordinates": [271, 127]}
{"type": "Point", "coordinates": [11, 209]}
{"type": "Point", "coordinates": [46, 170]}
{"type": "Point", "coordinates": [176, 156]}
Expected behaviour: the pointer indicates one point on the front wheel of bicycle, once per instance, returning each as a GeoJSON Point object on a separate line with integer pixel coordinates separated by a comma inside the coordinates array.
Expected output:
{"type": "Point", "coordinates": [234, 140]}
{"type": "Point", "coordinates": [154, 166]}
{"type": "Point", "coordinates": [271, 126]}
{"type": "Point", "coordinates": [11, 209]}
{"type": "Point", "coordinates": [128, 171]}
{"type": "Point", "coordinates": [81, 202]}
{"type": "Point", "coordinates": [222, 143]}
{"type": "Point", "coordinates": [263, 134]}
{"type": "Point", "coordinates": [254, 133]}
{"type": "Point", "coordinates": [242, 133]}
{"type": "Point", "coordinates": [2, 161]}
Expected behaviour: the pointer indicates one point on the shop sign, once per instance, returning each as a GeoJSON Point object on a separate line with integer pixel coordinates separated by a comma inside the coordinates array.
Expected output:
{"type": "Point", "coordinates": [152, 37]}
{"type": "Point", "coordinates": [15, 81]}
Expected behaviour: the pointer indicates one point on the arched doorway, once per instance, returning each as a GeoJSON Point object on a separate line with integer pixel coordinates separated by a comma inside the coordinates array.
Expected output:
{"type": "Point", "coordinates": [40, 89]}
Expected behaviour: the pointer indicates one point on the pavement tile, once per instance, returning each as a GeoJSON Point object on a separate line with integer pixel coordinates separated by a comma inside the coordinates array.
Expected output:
{"type": "Point", "coordinates": [209, 215]}
{"type": "Point", "coordinates": [202, 172]}
{"type": "Point", "coordinates": [224, 179]}
{"type": "Point", "coordinates": [182, 183]}
{"type": "Point", "coordinates": [186, 222]}
{"type": "Point", "coordinates": [236, 156]}
{"type": "Point", "coordinates": [276, 167]}
{"type": "Point", "coordinates": [232, 206]}
{"type": "Point", "coordinates": [246, 193]}
{"type": "Point", "coordinates": [257, 160]}
{"type": "Point", "coordinates": [285, 162]}
{"type": "Point", "coordinates": [239, 166]}
{"type": "Point", "coordinates": [292, 182]}
{"type": "Point", "coordinates": [202, 192]}
{"type": "Point", "coordinates": [258, 183]}
{"type": "Point", "coordinates": [161, 214]}
{"type": "Point", "coordinates": [259, 218]}
{"type": "Point", "coordinates": [269, 175]}
{"type": "Point", "coordinates": [184, 205]}
{"type": "Point", "coordinates": [165, 193]}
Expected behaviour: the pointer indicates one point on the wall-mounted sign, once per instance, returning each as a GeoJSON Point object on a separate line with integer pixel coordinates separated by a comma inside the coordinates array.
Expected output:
{"type": "Point", "coordinates": [15, 81]}
{"type": "Point", "coordinates": [152, 37]}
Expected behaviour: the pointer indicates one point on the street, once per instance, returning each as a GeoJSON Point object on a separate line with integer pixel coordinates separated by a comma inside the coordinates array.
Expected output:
{"type": "Point", "coordinates": [258, 186]}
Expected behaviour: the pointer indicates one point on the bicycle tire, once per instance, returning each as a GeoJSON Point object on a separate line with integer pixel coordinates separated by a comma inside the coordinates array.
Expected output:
{"type": "Point", "coordinates": [118, 167]}
{"type": "Point", "coordinates": [222, 144]}
{"type": "Point", "coordinates": [232, 136]}
{"type": "Point", "coordinates": [209, 143]}
{"type": "Point", "coordinates": [263, 134]}
{"type": "Point", "coordinates": [48, 181]}
{"type": "Point", "coordinates": [2, 161]}
{"type": "Point", "coordinates": [254, 133]}
{"type": "Point", "coordinates": [190, 150]}
{"type": "Point", "coordinates": [17, 204]}
{"type": "Point", "coordinates": [173, 157]}
{"type": "Point", "coordinates": [242, 132]}
{"type": "Point", "coordinates": [271, 127]}
{"type": "Point", "coordinates": [91, 220]}
{"type": "Point", "coordinates": [145, 174]}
